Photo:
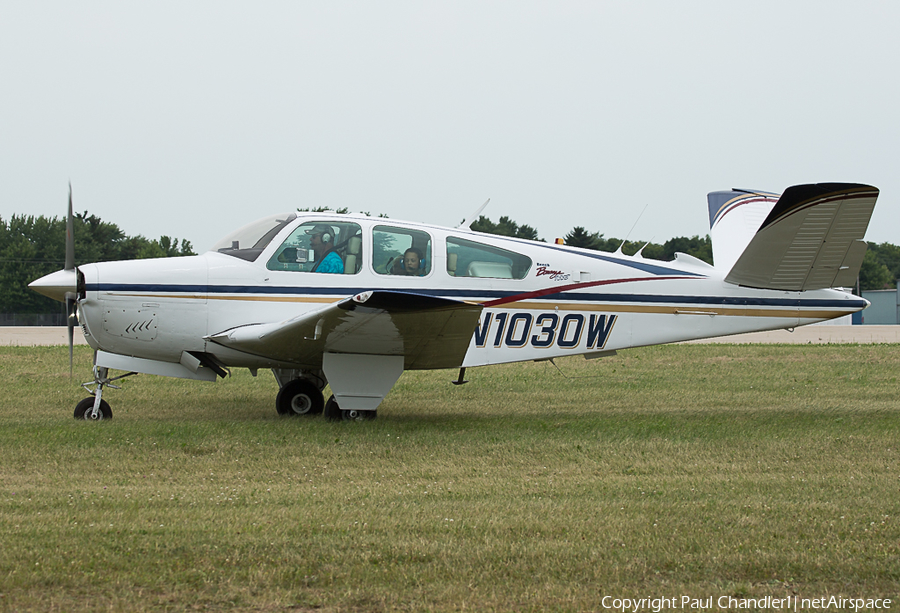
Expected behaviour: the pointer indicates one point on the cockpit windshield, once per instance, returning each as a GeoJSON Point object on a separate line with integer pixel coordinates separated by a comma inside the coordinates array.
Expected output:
{"type": "Point", "coordinates": [248, 242]}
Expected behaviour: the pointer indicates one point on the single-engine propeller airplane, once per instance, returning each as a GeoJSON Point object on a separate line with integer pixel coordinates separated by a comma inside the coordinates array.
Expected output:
{"type": "Point", "coordinates": [353, 301]}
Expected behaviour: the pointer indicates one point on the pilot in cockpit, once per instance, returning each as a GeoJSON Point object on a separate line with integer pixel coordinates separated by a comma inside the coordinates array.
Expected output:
{"type": "Point", "coordinates": [321, 239]}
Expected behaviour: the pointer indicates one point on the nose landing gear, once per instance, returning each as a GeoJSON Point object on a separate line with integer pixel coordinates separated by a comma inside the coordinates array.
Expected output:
{"type": "Point", "coordinates": [94, 408]}
{"type": "Point", "coordinates": [89, 410]}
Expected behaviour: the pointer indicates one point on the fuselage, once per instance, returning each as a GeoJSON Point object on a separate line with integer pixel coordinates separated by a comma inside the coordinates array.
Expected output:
{"type": "Point", "coordinates": [539, 300]}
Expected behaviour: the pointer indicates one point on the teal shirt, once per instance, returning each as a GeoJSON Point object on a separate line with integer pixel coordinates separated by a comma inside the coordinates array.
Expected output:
{"type": "Point", "coordinates": [332, 263]}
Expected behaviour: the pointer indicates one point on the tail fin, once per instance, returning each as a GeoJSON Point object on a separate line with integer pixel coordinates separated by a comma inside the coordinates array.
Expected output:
{"type": "Point", "coordinates": [811, 238]}
{"type": "Point", "coordinates": [734, 218]}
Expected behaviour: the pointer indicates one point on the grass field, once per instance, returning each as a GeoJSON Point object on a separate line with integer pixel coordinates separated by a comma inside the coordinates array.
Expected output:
{"type": "Point", "coordinates": [698, 470]}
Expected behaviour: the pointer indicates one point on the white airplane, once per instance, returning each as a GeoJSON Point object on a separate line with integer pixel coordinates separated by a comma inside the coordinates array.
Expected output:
{"type": "Point", "coordinates": [353, 301]}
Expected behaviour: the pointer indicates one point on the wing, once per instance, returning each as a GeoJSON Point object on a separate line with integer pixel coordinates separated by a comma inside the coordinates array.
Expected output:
{"type": "Point", "coordinates": [812, 239]}
{"type": "Point", "coordinates": [429, 332]}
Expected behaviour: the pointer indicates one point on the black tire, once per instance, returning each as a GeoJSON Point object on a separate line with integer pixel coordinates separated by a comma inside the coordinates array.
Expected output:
{"type": "Point", "coordinates": [332, 410]}
{"type": "Point", "coordinates": [85, 408]}
{"type": "Point", "coordinates": [334, 413]}
{"type": "Point", "coordinates": [359, 415]}
{"type": "Point", "coordinates": [299, 397]}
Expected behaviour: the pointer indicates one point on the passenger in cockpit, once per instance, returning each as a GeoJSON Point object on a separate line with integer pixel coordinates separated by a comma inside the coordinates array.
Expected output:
{"type": "Point", "coordinates": [410, 265]}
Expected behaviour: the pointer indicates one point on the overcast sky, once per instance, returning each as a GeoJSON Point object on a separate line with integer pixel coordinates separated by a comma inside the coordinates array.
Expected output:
{"type": "Point", "coordinates": [190, 119]}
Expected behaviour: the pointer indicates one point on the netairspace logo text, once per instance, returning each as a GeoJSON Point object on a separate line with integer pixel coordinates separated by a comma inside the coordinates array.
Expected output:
{"type": "Point", "coordinates": [788, 603]}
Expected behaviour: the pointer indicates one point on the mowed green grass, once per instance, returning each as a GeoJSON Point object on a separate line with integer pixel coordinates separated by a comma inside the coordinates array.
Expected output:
{"type": "Point", "coordinates": [699, 470]}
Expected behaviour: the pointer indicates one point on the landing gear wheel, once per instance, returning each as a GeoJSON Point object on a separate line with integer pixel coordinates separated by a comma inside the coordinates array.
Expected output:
{"type": "Point", "coordinates": [85, 410]}
{"type": "Point", "coordinates": [334, 413]}
{"type": "Point", "coordinates": [332, 410]}
{"type": "Point", "coordinates": [299, 397]}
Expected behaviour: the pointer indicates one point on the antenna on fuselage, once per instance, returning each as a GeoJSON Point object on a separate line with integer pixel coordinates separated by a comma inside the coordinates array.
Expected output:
{"type": "Point", "coordinates": [625, 240]}
{"type": "Point", "coordinates": [467, 224]}
{"type": "Point", "coordinates": [641, 250]}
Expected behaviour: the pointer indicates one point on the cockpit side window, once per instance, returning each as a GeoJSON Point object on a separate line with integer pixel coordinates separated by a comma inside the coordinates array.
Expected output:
{"type": "Point", "coordinates": [401, 251]}
{"type": "Point", "coordinates": [320, 246]}
{"type": "Point", "coordinates": [467, 258]}
{"type": "Point", "coordinates": [248, 242]}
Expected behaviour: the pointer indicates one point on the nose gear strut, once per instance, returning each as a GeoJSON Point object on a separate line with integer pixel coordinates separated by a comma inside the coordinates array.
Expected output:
{"type": "Point", "coordinates": [96, 408]}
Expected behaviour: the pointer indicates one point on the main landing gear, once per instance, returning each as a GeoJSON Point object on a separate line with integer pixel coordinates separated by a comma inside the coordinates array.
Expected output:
{"type": "Point", "coordinates": [94, 408]}
{"type": "Point", "coordinates": [302, 395]}
{"type": "Point", "coordinates": [334, 413]}
{"type": "Point", "coordinates": [299, 397]}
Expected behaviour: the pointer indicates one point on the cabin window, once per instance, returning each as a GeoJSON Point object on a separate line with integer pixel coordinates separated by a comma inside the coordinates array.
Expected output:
{"type": "Point", "coordinates": [467, 258]}
{"type": "Point", "coordinates": [320, 246]}
{"type": "Point", "coordinates": [401, 251]}
{"type": "Point", "coordinates": [248, 242]}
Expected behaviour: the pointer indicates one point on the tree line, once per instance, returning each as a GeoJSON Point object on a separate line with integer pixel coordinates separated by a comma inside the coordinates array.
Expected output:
{"type": "Point", "coordinates": [31, 247]}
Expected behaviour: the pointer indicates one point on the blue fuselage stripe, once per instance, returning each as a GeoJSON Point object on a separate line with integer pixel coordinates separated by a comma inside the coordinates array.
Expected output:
{"type": "Point", "coordinates": [470, 294]}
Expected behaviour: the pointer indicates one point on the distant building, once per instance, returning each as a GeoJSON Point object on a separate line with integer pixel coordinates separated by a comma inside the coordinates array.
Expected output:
{"type": "Point", "coordinates": [885, 307]}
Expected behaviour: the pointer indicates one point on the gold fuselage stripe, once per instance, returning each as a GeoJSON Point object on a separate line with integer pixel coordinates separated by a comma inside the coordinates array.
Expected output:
{"type": "Point", "coordinates": [545, 306]}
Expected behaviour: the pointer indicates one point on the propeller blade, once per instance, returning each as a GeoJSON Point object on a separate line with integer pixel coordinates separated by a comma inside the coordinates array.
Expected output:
{"type": "Point", "coordinates": [70, 324]}
{"type": "Point", "coordinates": [70, 236]}
{"type": "Point", "coordinates": [71, 304]}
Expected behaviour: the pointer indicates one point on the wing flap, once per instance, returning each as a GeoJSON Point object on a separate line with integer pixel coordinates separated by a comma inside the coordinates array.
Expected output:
{"type": "Point", "coordinates": [429, 332]}
{"type": "Point", "coordinates": [812, 239]}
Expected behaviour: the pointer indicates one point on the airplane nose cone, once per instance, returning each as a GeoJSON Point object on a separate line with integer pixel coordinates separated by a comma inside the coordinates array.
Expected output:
{"type": "Point", "coordinates": [57, 284]}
